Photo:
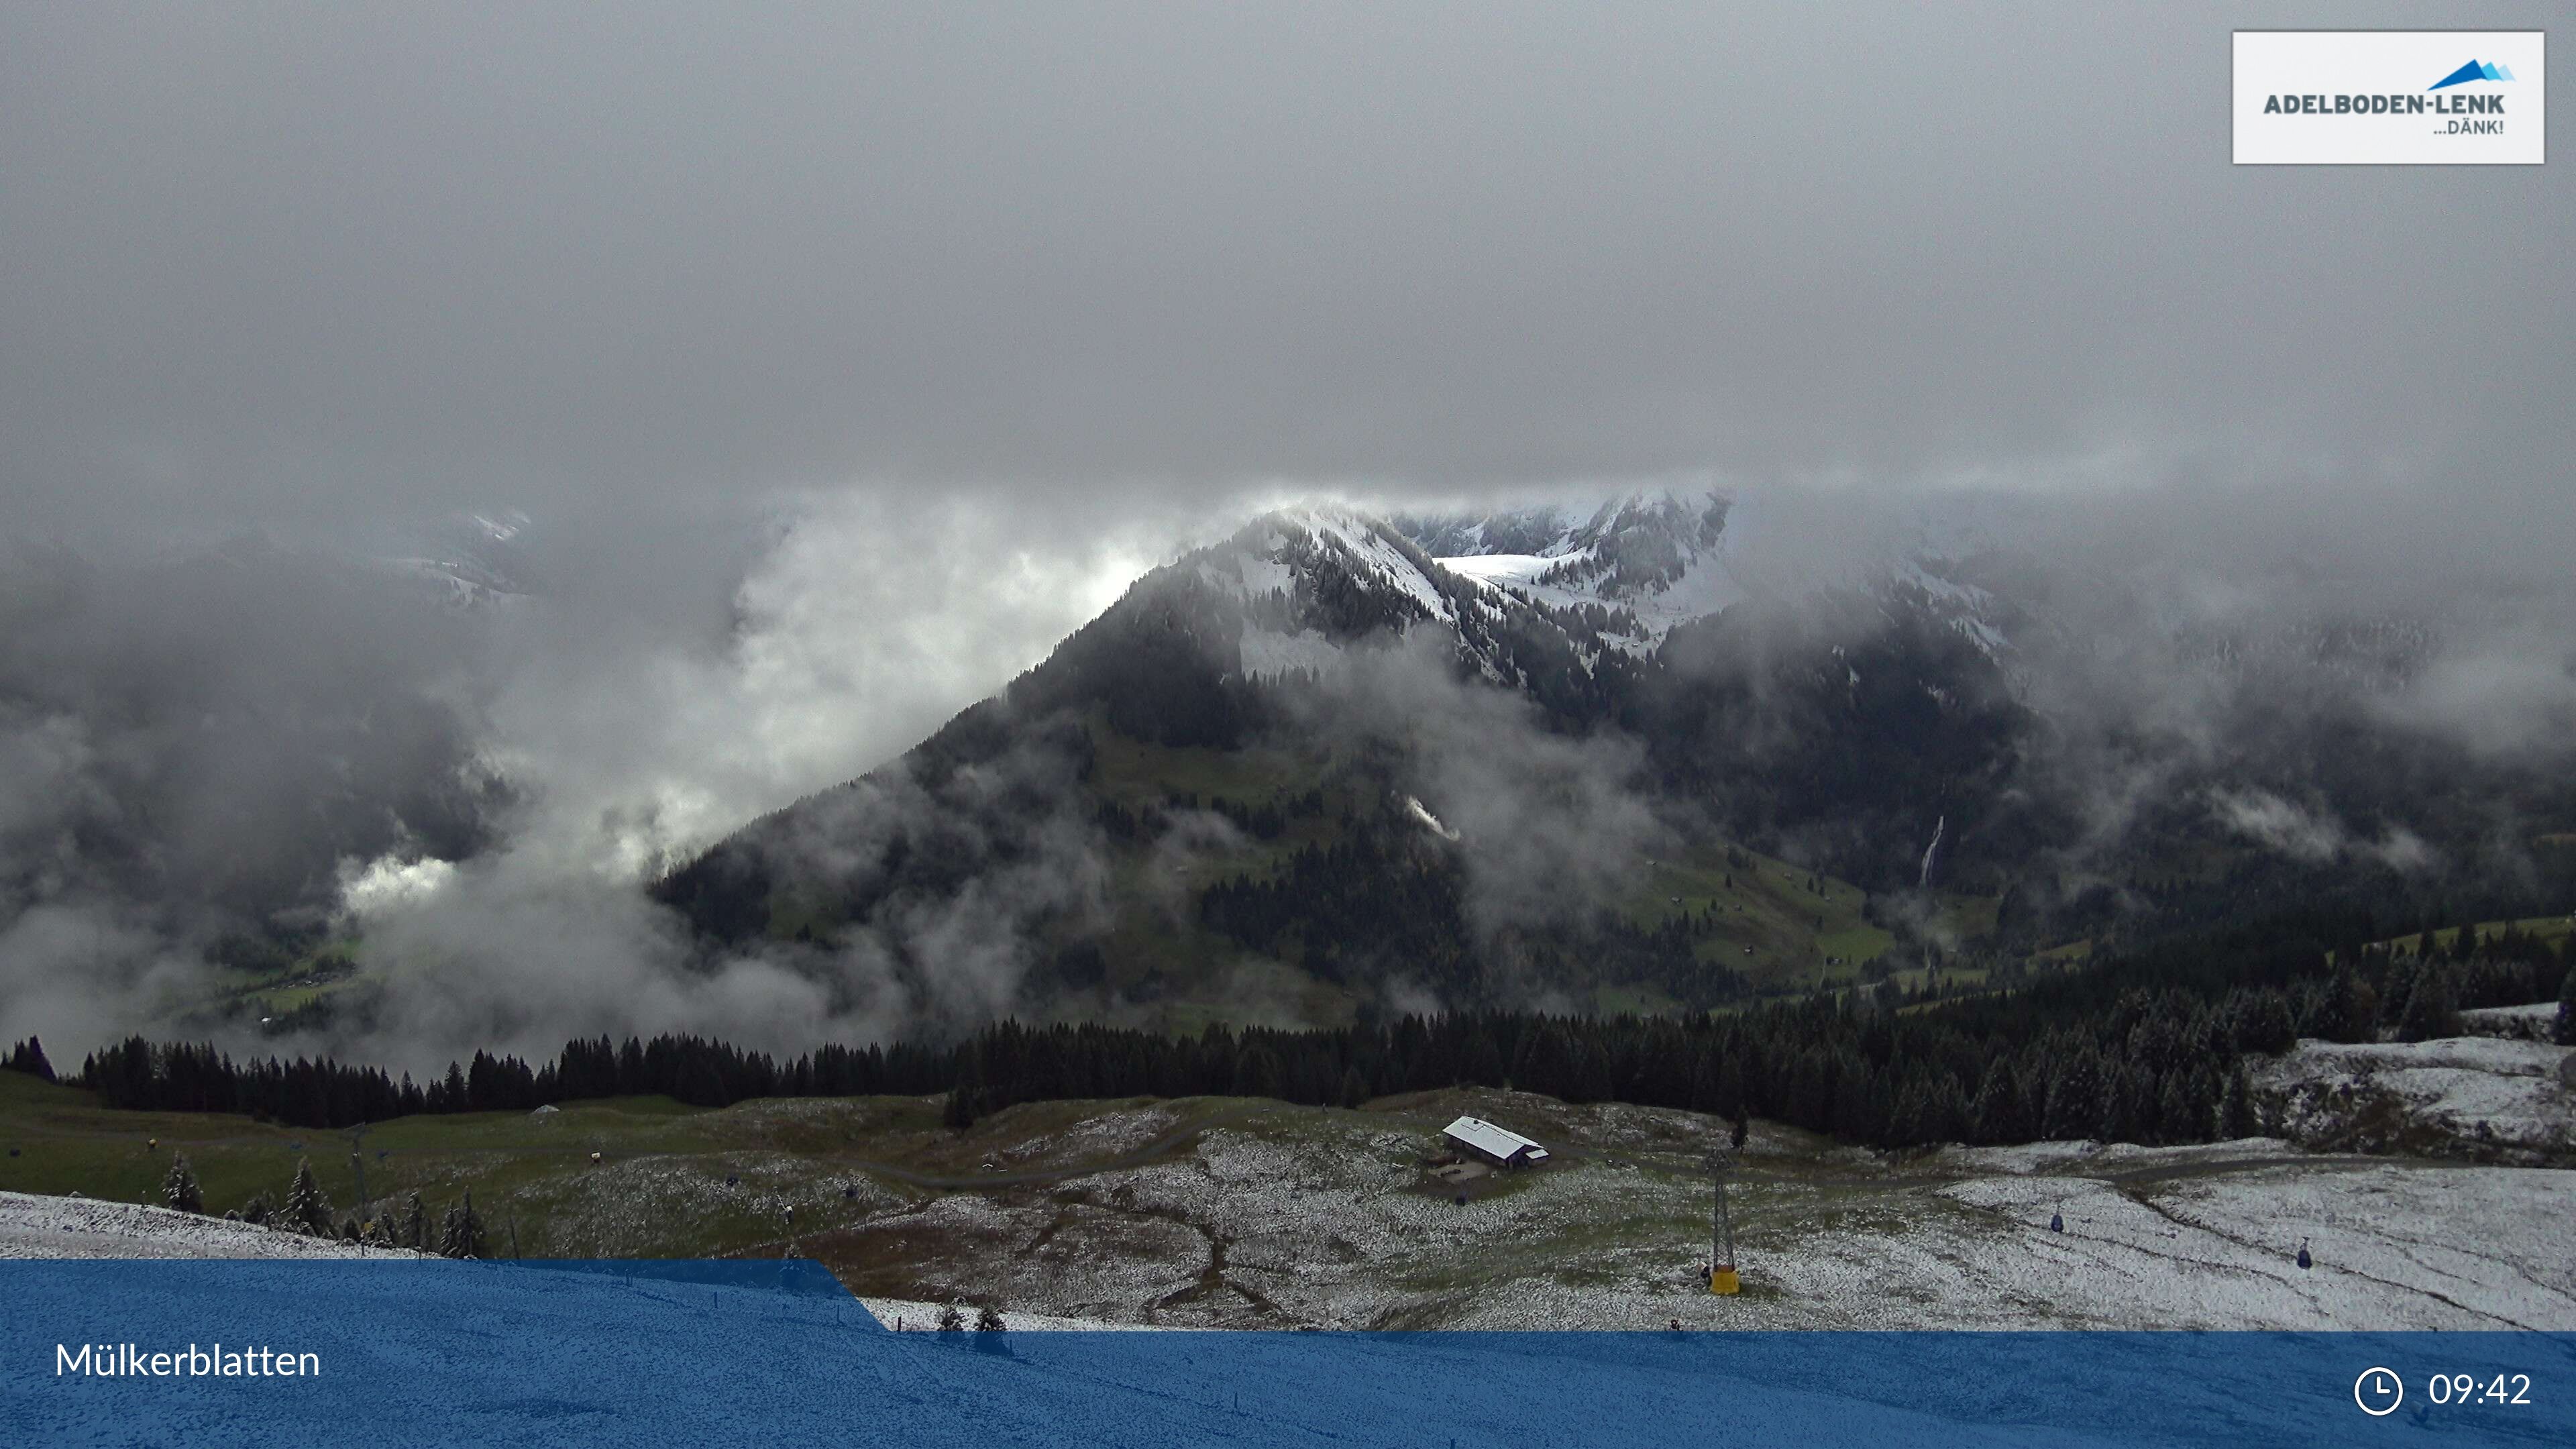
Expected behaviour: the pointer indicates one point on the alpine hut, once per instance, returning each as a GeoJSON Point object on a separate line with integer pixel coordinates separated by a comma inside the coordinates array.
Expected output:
{"type": "Point", "coordinates": [1497, 1145]}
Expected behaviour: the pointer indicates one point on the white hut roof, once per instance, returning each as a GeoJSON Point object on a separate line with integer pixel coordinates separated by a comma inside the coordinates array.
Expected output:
{"type": "Point", "coordinates": [1486, 1137]}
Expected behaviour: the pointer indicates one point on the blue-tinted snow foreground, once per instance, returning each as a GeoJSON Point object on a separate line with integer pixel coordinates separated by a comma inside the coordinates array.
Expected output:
{"type": "Point", "coordinates": [496, 1354]}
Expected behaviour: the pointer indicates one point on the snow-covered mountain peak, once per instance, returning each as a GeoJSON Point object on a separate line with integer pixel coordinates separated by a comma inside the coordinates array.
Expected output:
{"type": "Point", "coordinates": [465, 561]}
{"type": "Point", "coordinates": [1325, 552]}
{"type": "Point", "coordinates": [1296, 587]}
{"type": "Point", "coordinates": [1654, 558]}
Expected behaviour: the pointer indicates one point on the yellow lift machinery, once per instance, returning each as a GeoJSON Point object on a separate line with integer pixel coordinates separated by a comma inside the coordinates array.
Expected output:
{"type": "Point", "coordinates": [1721, 1270]}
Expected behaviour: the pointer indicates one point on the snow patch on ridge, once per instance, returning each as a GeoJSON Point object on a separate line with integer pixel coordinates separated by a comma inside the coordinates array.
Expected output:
{"type": "Point", "coordinates": [1704, 588]}
{"type": "Point", "coordinates": [1368, 544]}
{"type": "Point", "coordinates": [1420, 812]}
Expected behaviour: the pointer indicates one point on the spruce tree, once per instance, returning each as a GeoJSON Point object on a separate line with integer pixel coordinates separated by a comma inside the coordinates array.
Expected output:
{"type": "Point", "coordinates": [307, 1210]}
{"type": "Point", "coordinates": [2114, 1112]}
{"type": "Point", "coordinates": [2429, 1013]}
{"type": "Point", "coordinates": [2398, 987]}
{"type": "Point", "coordinates": [2184, 1114]}
{"type": "Point", "coordinates": [988, 1319]}
{"type": "Point", "coordinates": [1481, 1064]}
{"type": "Point", "coordinates": [2236, 1105]}
{"type": "Point", "coordinates": [29, 1056]}
{"type": "Point", "coordinates": [2074, 1098]}
{"type": "Point", "coordinates": [2354, 1010]}
{"type": "Point", "coordinates": [179, 1187]}
{"type": "Point", "coordinates": [460, 1233]}
{"type": "Point", "coordinates": [1256, 1073]}
{"type": "Point", "coordinates": [1995, 1117]}
{"type": "Point", "coordinates": [1953, 1110]}
{"type": "Point", "coordinates": [1589, 1069]}
{"type": "Point", "coordinates": [2266, 1025]}
{"type": "Point", "coordinates": [1908, 1115]}
{"type": "Point", "coordinates": [414, 1232]}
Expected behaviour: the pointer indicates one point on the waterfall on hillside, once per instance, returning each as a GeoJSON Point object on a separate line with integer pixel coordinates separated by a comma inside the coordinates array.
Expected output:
{"type": "Point", "coordinates": [1930, 850]}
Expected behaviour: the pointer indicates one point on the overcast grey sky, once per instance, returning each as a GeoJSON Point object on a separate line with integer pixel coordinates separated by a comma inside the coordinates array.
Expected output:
{"type": "Point", "coordinates": [285, 260]}
{"type": "Point", "coordinates": [848, 358]}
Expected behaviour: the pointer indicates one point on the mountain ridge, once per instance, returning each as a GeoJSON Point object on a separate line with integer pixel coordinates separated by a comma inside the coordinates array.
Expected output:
{"type": "Point", "coordinates": [1319, 758]}
{"type": "Point", "coordinates": [1366, 677]}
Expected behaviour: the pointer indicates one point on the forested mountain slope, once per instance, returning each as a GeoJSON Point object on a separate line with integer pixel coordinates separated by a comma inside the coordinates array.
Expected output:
{"type": "Point", "coordinates": [1590, 760]}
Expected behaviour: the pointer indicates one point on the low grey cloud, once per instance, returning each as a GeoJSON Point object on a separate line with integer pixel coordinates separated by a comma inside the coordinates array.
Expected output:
{"type": "Point", "coordinates": [1548, 827]}
{"type": "Point", "coordinates": [2507, 690]}
{"type": "Point", "coordinates": [330, 259]}
{"type": "Point", "coordinates": [847, 358]}
{"type": "Point", "coordinates": [255, 742]}
{"type": "Point", "coordinates": [856, 625]}
{"type": "Point", "coordinates": [2313, 836]}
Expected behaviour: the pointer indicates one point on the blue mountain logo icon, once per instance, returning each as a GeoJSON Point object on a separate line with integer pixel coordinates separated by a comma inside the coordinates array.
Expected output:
{"type": "Point", "coordinates": [2473, 71]}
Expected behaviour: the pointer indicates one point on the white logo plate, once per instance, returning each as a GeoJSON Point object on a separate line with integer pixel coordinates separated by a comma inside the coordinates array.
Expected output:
{"type": "Point", "coordinates": [2391, 98]}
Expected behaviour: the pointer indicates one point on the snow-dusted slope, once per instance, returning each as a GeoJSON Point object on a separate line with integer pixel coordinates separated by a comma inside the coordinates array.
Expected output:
{"type": "Point", "coordinates": [1651, 560]}
{"type": "Point", "coordinates": [470, 561]}
{"type": "Point", "coordinates": [33, 1226]}
{"type": "Point", "coordinates": [2477, 1096]}
{"type": "Point", "coordinates": [1655, 561]}
{"type": "Point", "coordinates": [1311, 580]}
{"type": "Point", "coordinates": [1530, 593]}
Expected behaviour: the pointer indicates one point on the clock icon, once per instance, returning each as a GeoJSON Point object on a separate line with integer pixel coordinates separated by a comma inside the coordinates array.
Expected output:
{"type": "Point", "coordinates": [2378, 1392]}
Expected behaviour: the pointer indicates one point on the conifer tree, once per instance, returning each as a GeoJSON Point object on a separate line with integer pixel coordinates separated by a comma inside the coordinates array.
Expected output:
{"type": "Point", "coordinates": [1909, 1117]}
{"type": "Point", "coordinates": [2398, 986]}
{"type": "Point", "coordinates": [2354, 1009]}
{"type": "Point", "coordinates": [1995, 1117]}
{"type": "Point", "coordinates": [2074, 1098]}
{"type": "Point", "coordinates": [2265, 1025]}
{"type": "Point", "coordinates": [179, 1188]}
{"type": "Point", "coordinates": [2132, 1105]}
{"type": "Point", "coordinates": [988, 1319]}
{"type": "Point", "coordinates": [307, 1210]}
{"type": "Point", "coordinates": [2186, 1113]}
{"type": "Point", "coordinates": [2236, 1105]}
{"type": "Point", "coordinates": [1591, 1073]}
{"type": "Point", "coordinates": [460, 1233]}
{"type": "Point", "coordinates": [1482, 1062]}
{"type": "Point", "coordinates": [29, 1056]}
{"type": "Point", "coordinates": [2429, 1013]}
{"type": "Point", "coordinates": [2565, 1027]}
{"type": "Point", "coordinates": [1256, 1073]}
{"type": "Point", "coordinates": [414, 1232]}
